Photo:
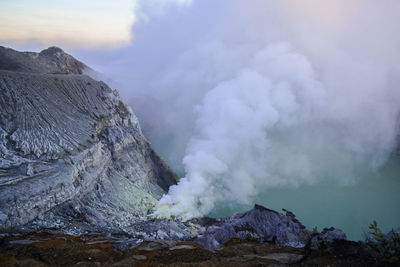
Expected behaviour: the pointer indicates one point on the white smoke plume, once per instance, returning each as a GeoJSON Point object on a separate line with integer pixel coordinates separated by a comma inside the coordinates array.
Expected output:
{"type": "Point", "coordinates": [260, 94]}
{"type": "Point", "coordinates": [230, 156]}
{"type": "Point", "coordinates": [269, 126]}
{"type": "Point", "coordinates": [270, 121]}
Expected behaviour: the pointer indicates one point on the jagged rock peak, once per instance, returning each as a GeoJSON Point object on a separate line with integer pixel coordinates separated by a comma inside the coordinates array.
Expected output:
{"type": "Point", "coordinates": [51, 51]}
{"type": "Point", "coordinates": [52, 60]}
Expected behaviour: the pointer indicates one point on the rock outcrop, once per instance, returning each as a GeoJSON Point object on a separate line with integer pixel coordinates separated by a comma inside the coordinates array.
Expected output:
{"type": "Point", "coordinates": [70, 147]}
{"type": "Point", "coordinates": [259, 224]}
{"type": "Point", "coordinates": [49, 61]}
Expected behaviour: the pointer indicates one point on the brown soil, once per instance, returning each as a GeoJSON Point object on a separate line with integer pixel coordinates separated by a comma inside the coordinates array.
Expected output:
{"type": "Point", "coordinates": [43, 249]}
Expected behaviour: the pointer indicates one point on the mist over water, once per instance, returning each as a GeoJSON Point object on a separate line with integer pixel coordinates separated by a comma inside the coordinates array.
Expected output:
{"type": "Point", "coordinates": [291, 105]}
{"type": "Point", "coordinates": [351, 208]}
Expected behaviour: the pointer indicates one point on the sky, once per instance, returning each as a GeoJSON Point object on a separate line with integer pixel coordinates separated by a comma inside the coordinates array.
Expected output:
{"type": "Point", "coordinates": [79, 24]}
{"type": "Point", "coordinates": [307, 89]}
{"type": "Point", "coordinates": [83, 23]}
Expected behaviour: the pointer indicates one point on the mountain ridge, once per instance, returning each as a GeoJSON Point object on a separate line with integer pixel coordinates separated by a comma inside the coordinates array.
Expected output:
{"type": "Point", "coordinates": [67, 140]}
{"type": "Point", "coordinates": [52, 60]}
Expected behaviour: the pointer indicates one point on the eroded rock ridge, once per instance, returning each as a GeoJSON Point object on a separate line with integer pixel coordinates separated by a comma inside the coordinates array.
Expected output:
{"type": "Point", "coordinates": [69, 146]}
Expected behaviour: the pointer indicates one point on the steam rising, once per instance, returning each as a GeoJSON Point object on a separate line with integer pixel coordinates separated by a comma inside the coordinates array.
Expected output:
{"type": "Point", "coordinates": [230, 156]}
{"type": "Point", "coordinates": [260, 94]}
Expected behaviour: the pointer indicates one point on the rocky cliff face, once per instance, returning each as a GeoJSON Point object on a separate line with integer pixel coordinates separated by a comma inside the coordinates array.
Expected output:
{"type": "Point", "coordinates": [70, 148]}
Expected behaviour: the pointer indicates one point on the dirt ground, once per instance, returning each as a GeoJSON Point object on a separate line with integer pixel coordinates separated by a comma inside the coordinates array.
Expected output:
{"type": "Point", "coordinates": [44, 249]}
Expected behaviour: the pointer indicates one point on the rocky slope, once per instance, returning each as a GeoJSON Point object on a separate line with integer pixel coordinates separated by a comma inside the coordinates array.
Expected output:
{"type": "Point", "coordinates": [69, 147]}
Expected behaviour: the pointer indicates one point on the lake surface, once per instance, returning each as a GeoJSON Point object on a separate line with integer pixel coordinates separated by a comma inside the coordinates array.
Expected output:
{"type": "Point", "coordinates": [351, 208]}
{"type": "Point", "coordinates": [374, 196]}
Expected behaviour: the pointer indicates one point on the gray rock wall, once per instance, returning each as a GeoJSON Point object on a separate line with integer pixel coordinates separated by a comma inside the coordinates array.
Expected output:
{"type": "Point", "coordinates": [69, 144]}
